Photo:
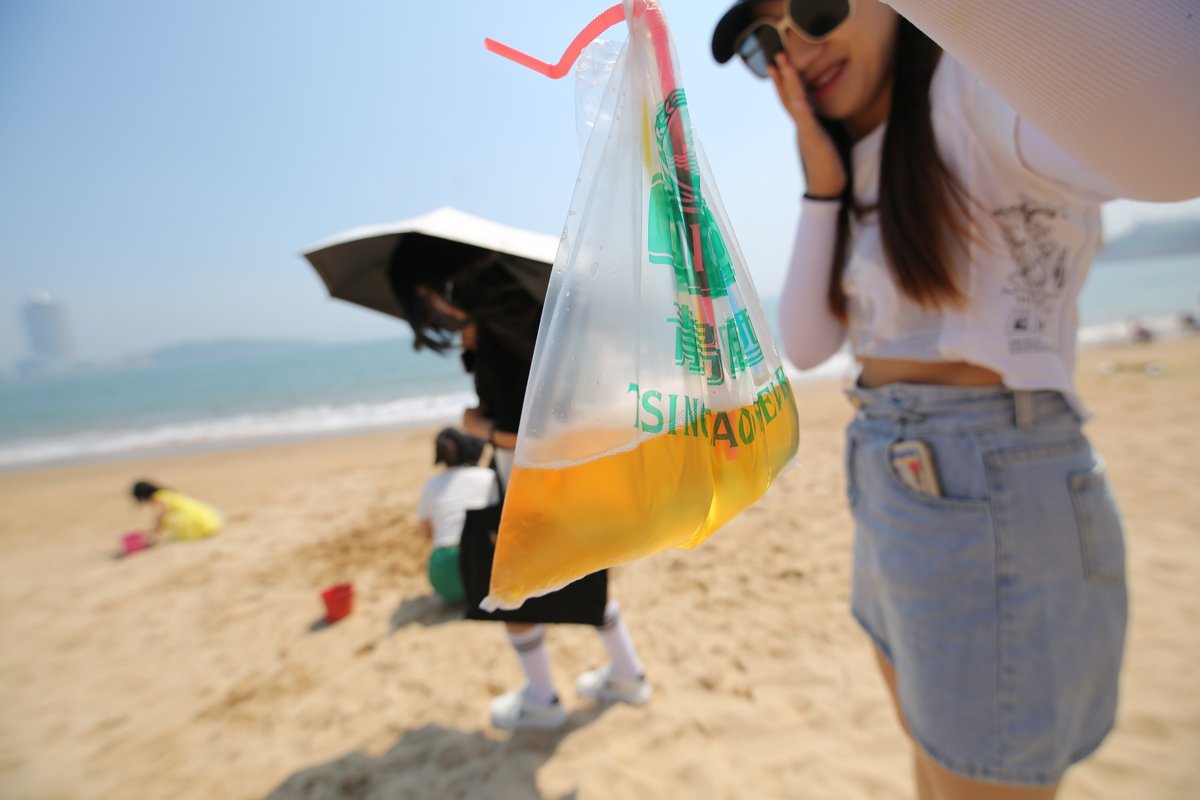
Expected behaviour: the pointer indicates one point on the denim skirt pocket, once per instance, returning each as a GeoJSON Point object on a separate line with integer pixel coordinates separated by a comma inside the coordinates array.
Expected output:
{"type": "Point", "coordinates": [1100, 536]}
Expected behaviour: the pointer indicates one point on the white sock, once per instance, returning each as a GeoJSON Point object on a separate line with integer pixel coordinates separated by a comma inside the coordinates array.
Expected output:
{"type": "Point", "coordinates": [531, 651]}
{"type": "Point", "coordinates": [614, 634]}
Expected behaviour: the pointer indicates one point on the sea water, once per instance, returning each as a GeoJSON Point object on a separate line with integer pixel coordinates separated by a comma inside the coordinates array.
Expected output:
{"type": "Point", "coordinates": [313, 390]}
{"type": "Point", "coordinates": [327, 389]}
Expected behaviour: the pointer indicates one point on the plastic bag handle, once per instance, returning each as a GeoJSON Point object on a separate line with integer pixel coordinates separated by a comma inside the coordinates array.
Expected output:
{"type": "Point", "coordinates": [681, 144]}
{"type": "Point", "coordinates": [599, 25]}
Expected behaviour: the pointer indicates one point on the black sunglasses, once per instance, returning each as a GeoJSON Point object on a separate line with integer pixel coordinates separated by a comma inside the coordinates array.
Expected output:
{"type": "Point", "coordinates": [811, 20]}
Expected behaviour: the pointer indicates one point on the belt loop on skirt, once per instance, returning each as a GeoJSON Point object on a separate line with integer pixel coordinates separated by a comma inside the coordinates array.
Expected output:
{"type": "Point", "coordinates": [884, 404]}
{"type": "Point", "coordinates": [1025, 414]}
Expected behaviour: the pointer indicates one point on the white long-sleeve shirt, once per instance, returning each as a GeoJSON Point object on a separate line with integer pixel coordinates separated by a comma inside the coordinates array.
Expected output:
{"type": "Point", "coordinates": [1036, 219]}
{"type": "Point", "coordinates": [1041, 218]}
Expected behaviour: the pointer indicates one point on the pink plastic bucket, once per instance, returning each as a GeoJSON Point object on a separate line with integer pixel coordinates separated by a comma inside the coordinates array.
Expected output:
{"type": "Point", "coordinates": [133, 542]}
{"type": "Point", "coordinates": [339, 601]}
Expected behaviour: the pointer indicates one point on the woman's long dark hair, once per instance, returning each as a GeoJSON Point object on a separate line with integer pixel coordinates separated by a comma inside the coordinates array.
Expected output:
{"type": "Point", "coordinates": [922, 209]}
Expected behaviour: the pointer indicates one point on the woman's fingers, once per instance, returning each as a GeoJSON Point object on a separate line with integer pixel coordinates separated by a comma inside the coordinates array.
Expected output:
{"type": "Point", "coordinates": [793, 93]}
{"type": "Point", "coordinates": [781, 89]}
{"type": "Point", "coordinates": [777, 82]}
{"type": "Point", "coordinates": [823, 170]}
{"type": "Point", "coordinates": [789, 81]}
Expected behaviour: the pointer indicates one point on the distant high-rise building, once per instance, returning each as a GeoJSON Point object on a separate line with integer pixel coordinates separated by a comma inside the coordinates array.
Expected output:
{"type": "Point", "coordinates": [48, 329]}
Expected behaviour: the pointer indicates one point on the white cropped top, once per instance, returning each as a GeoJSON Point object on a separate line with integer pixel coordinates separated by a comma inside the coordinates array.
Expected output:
{"type": "Point", "coordinates": [1130, 112]}
{"type": "Point", "coordinates": [1036, 226]}
{"type": "Point", "coordinates": [1034, 238]}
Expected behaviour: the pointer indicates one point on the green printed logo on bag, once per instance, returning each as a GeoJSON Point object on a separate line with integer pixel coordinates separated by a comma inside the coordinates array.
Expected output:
{"type": "Point", "coordinates": [698, 349]}
{"type": "Point", "coordinates": [667, 229]}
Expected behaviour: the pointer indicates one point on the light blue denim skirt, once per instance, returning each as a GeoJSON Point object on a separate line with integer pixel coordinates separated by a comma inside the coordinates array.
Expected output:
{"type": "Point", "coordinates": [1002, 602]}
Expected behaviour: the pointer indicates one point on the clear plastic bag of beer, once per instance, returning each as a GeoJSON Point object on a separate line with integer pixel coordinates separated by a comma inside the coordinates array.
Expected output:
{"type": "Point", "coordinates": [657, 407]}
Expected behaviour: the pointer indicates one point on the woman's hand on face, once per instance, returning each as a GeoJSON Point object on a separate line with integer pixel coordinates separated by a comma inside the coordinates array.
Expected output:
{"type": "Point", "coordinates": [824, 173]}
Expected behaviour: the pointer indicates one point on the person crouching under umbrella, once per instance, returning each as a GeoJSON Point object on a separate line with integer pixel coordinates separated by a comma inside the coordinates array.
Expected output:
{"type": "Point", "coordinates": [445, 500]}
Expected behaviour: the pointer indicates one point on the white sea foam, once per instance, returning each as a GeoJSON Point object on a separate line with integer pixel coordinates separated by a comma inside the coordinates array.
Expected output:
{"type": "Point", "coordinates": [295, 422]}
{"type": "Point", "coordinates": [331, 419]}
{"type": "Point", "coordinates": [1123, 331]}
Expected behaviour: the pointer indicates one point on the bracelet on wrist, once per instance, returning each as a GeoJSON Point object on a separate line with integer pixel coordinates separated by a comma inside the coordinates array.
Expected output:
{"type": "Point", "coordinates": [823, 198]}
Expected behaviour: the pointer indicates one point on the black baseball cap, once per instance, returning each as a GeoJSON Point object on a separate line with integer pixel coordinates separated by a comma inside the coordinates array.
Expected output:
{"type": "Point", "coordinates": [729, 27]}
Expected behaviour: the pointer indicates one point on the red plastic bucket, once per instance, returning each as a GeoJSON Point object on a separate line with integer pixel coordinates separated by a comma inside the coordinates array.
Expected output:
{"type": "Point", "coordinates": [339, 601]}
{"type": "Point", "coordinates": [133, 542]}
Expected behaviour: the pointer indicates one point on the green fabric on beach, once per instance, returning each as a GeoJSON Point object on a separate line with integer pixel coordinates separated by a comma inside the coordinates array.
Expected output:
{"type": "Point", "coordinates": [444, 575]}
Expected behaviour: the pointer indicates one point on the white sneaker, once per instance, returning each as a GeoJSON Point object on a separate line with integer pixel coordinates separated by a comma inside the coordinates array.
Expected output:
{"type": "Point", "coordinates": [601, 686]}
{"type": "Point", "coordinates": [516, 710]}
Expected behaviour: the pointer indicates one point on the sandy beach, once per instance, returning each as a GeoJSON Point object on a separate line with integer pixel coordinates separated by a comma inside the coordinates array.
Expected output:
{"type": "Point", "coordinates": [200, 670]}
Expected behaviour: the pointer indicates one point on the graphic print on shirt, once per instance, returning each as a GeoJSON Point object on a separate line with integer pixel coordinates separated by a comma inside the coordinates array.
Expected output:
{"type": "Point", "coordinates": [1039, 278]}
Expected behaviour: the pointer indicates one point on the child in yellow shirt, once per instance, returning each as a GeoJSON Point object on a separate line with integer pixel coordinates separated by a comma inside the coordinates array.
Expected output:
{"type": "Point", "coordinates": [181, 517]}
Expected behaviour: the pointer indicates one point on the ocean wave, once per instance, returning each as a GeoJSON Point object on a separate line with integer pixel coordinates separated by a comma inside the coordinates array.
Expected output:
{"type": "Point", "coordinates": [351, 417]}
{"type": "Point", "coordinates": [1125, 331]}
{"type": "Point", "coordinates": [295, 422]}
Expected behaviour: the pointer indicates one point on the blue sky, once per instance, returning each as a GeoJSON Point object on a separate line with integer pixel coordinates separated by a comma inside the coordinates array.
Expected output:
{"type": "Point", "coordinates": [162, 165]}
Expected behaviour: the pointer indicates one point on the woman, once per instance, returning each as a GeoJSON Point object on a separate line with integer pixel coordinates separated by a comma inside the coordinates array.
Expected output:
{"type": "Point", "coordinates": [498, 321]}
{"type": "Point", "coordinates": [947, 240]}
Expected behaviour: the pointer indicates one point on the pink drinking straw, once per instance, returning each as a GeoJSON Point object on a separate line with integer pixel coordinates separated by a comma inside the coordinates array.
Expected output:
{"type": "Point", "coordinates": [679, 124]}
{"type": "Point", "coordinates": [594, 28]}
